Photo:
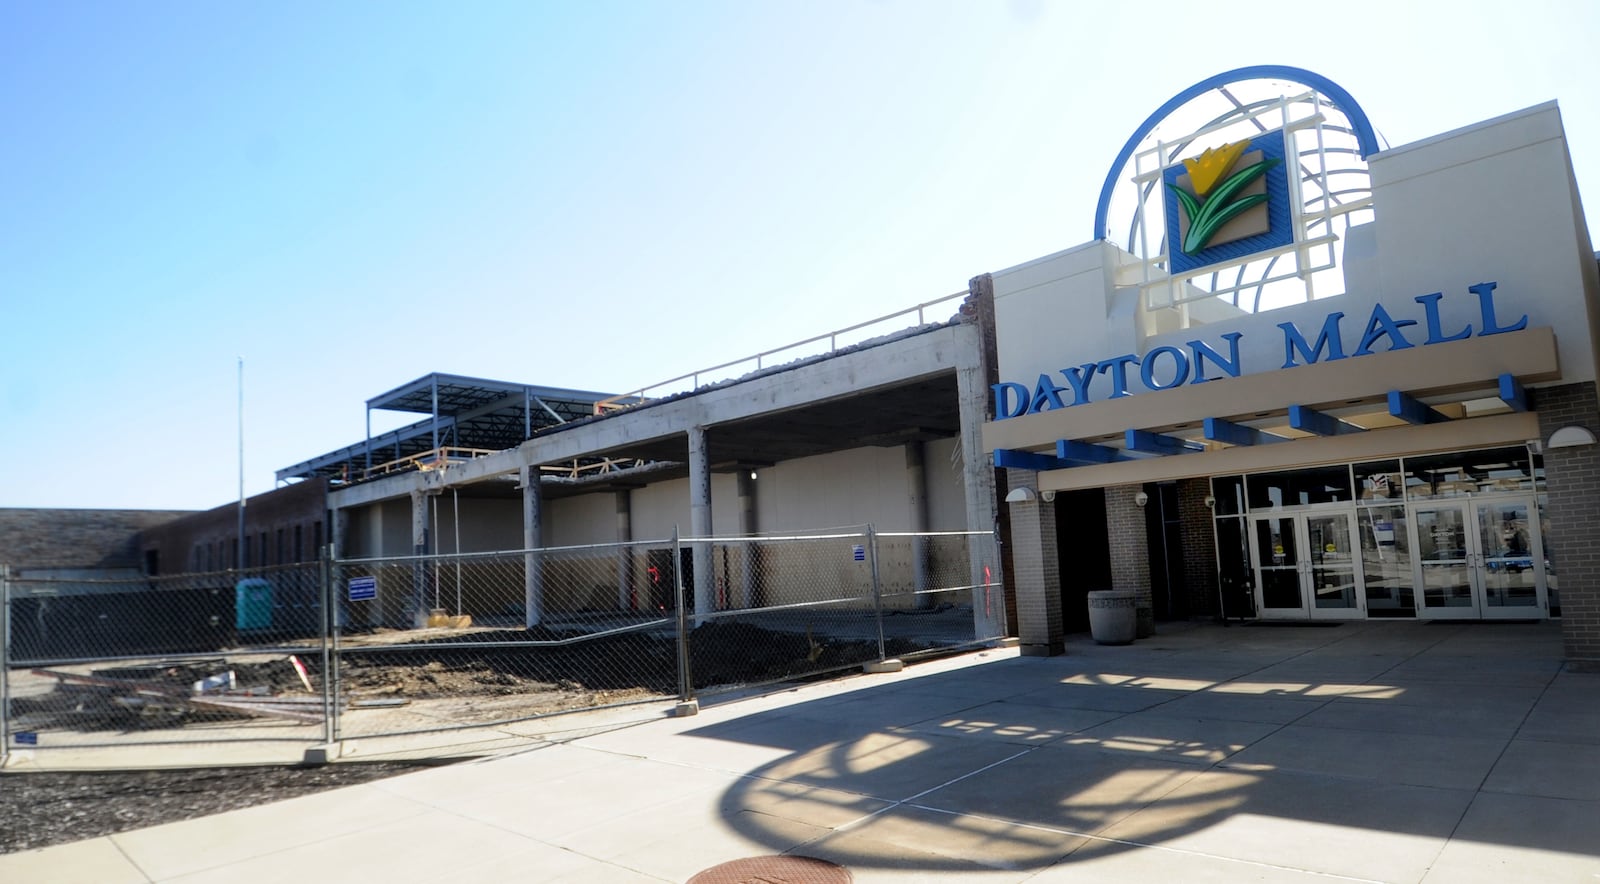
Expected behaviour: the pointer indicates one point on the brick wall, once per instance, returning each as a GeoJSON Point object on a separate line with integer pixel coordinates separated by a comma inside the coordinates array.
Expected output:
{"type": "Point", "coordinates": [1573, 479]}
{"type": "Point", "coordinates": [301, 506]}
{"type": "Point", "coordinates": [74, 538]}
{"type": "Point", "coordinates": [1130, 550]}
{"type": "Point", "coordinates": [1199, 547]}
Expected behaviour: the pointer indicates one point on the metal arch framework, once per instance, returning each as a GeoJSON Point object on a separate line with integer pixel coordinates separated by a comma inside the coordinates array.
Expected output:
{"type": "Point", "coordinates": [1365, 135]}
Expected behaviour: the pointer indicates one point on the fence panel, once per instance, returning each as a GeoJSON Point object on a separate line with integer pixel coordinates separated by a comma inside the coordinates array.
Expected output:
{"type": "Point", "coordinates": [291, 656]}
{"type": "Point", "coordinates": [941, 589]}
{"type": "Point", "coordinates": [450, 642]}
{"type": "Point", "coordinates": [775, 608]}
{"type": "Point", "coordinates": [227, 657]}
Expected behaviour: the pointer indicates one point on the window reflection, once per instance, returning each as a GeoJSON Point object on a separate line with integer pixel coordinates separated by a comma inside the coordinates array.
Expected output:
{"type": "Point", "coordinates": [1457, 474]}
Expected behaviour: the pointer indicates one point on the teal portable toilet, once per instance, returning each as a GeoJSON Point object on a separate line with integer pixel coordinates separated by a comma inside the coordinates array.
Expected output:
{"type": "Point", "coordinates": [252, 607]}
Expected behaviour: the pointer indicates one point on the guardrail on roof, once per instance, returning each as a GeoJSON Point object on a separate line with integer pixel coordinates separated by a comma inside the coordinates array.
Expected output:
{"type": "Point", "coordinates": [639, 396]}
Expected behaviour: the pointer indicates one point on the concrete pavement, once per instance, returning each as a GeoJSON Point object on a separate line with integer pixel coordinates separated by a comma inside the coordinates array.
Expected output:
{"type": "Point", "coordinates": [1401, 752]}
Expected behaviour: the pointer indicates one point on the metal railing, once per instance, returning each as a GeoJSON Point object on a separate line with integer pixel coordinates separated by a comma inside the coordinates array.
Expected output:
{"type": "Point", "coordinates": [392, 649]}
{"type": "Point", "coordinates": [640, 396]}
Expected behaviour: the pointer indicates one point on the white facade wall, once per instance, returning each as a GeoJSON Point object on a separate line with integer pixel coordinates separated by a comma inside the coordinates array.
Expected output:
{"type": "Point", "coordinates": [1493, 202]}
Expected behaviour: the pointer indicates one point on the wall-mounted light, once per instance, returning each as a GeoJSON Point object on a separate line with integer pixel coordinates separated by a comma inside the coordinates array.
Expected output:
{"type": "Point", "coordinates": [1570, 437]}
{"type": "Point", "coordinates": [1211, 502]}
{"type": "Point", "coordinates": [1047, 496]}
{"type": "Point", "coordinates": [752, 474]}
{"type": "Point", "coordinates": [1141, 498]}
{"type": "Point", "coordinates": [1020, 495]}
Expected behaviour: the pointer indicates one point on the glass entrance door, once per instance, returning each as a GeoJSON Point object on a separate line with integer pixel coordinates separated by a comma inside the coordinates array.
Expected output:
{"type": "Point", "coordinates": [1508, 550]}
{"type": "Point", "coordinates": [1331, 566]}
{"type": "Point", "coordinates": [1305, 565]}
{"type": "Point", "coordinates": [1275, 548]}
{"type": "Point", "coordinates": [1443, 561]}
{"type": "Point", "coordinates": [1480, 559]}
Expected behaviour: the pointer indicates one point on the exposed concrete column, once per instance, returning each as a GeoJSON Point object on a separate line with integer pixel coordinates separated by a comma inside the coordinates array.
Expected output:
{"type": "Point", "coordinates": [700, 521]}
{"type": "Point", "coordinates": [418, 606]}
{"type": "Point", "coordinates": [748, 527]}
{"type": "Point", "coordinates": [1038, 569]}
{"type": "Point", "coordinates": [1130, 551]}
{"type": "Point", "coordinates": [338, 527]}
{"type": "Point", "coordinates": [532, 532]}
{"type": "Point", "coordinates": [917, 499]}
{"type": "Point", "coordinates": [624, 553]}
{"type": "Point", "coordinates": [977, 480]}
{"type": "Point", "coordinates": [338, 524]}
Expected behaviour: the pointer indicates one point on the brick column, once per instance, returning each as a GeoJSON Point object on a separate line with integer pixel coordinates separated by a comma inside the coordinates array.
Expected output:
{"type": "Point", "coordinates": [1199, 547]}
{"type": "Point", "coordinates": [1130, 551]}
{"type": "Point", "coordinates": [1036, 570]}
{"type": "Point", "coordinates": [1572, 477]}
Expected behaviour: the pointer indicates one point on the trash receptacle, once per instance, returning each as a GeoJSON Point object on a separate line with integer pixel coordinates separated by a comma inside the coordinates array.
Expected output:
{"type": "Point", "coordinates": [1113, 617]}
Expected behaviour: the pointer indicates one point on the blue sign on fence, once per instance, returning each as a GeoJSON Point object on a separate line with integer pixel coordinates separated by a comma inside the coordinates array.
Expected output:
{"type": "Point", "coordinates": [860, 553]}
{"type": "Point", "coordinates": [27, 738]}
{"type": "Point", "coordinates": [363, 589]}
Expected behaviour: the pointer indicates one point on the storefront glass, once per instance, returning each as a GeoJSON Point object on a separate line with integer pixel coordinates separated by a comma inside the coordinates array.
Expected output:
{"type": "Point", "coordinates": [1457, 535]}
{"type": "Point", "coordinates": [1296, 488]}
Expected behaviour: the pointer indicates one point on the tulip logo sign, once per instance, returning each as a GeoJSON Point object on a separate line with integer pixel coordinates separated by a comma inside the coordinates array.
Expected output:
{"type": "Point", "coordinates": [1226, 203]}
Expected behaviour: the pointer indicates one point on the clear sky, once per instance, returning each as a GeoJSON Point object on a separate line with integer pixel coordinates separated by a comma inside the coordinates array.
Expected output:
{"type": "Point", "coordinates": [596, 195]}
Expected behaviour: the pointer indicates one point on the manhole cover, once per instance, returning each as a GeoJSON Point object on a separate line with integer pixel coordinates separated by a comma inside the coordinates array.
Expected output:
{"type": "Point", "coordinates": [775, 870]}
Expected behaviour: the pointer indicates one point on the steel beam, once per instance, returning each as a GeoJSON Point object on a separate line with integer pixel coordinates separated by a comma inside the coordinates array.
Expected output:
{"type": "Point", "coordinates": [1219, 430]}
{"type": "Point", "coordinates": [1157, 443]}
{"type": "Point", "coordinates": [1309, 420]}
{"type": "Point", "coordinates": [1413, 410]}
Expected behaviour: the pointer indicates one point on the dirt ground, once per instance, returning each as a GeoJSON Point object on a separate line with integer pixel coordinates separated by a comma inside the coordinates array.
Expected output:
{"type": "Point", "coordinates": [41, 809]}
{"type": "Point", "coordinates": [477, 683]}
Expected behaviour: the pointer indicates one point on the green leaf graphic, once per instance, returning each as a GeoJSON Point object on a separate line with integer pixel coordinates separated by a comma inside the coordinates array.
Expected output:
{"type": "Point", "coordinates": [1221, 207]}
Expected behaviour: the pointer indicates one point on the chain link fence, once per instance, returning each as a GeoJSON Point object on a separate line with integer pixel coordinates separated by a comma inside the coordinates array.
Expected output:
{"type": "Point", "coordinates": [104, 665]}
{"type": "Point", "coordinates": [401, 647]}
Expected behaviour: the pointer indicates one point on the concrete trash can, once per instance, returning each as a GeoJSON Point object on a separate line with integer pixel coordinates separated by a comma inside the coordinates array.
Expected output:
{"type": "Point", "coordinates": [1113, 617]}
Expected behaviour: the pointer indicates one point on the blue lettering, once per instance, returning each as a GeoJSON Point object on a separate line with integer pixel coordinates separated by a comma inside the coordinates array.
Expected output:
{"type": "Point", "coordinates": [1006, 392]}
{"type": "Point", "coordinates": [1229, 366]}
{"type": "Point", "coordinates": [1079, 379]}
{"type": "Point", "coordinates": [1329, 339]}
{"type": "Point", "coordinates": [1117, 368]}
{"type": "Point", "coordinates": [1046, 396]}
{"type": "Point", "coordinates": [1180, 368]}
{"type": "Point", "coordinates": [1436, 335]}
{"type": "Point", "coordinates": [1485, 293]}
{"type": "Point", "coordinates": [1382, 325]}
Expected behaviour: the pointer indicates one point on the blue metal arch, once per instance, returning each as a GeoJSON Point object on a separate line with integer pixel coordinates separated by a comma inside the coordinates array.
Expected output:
{"type": "Point", "coordinates": [1365, 136]}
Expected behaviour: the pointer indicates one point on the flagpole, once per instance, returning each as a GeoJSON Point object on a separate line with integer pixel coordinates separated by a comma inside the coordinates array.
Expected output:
{"type": "Point", "coordinates": [240, 561]}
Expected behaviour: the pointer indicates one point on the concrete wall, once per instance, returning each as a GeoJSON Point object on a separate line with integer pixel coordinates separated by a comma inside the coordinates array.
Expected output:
{"type": "Point", "coordinates": [486, 525]}
{"type": "Point", "coordinates": [382, 529]}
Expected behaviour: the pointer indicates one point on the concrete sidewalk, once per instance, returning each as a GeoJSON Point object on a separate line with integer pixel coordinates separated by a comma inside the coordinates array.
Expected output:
{"type": "Point", "coordinates": [1400, 752]}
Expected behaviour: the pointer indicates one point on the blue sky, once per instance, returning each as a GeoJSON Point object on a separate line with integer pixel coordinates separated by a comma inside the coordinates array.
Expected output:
{"type": "Point", "coordinates": [596, 195]}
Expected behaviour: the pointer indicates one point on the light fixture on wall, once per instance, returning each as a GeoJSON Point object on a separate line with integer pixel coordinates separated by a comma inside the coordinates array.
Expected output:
{"type": "Point", "coordinates": [1047, 496]}
{"type": "Point", "coordinates": [1141, 498]}
{"type": "Point", "coordinates": [1570, 437]}
{"type": "Point", "coordinates": [1020, 495]}
{"type": "Point", "coordinates": [1211, 502]}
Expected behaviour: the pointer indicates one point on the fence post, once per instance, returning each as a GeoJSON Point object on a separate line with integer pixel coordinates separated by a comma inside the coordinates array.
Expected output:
{"type": "Point", "coordinates": [329, 629]}
{"type": "Point", "coordinates": [877, 589]}
{"type": "Point", "coordinates": [5, 665]}
{"type": "Point", "coordinates": [685, 682]}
